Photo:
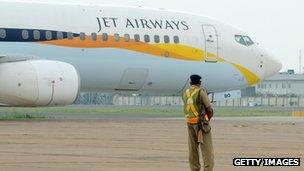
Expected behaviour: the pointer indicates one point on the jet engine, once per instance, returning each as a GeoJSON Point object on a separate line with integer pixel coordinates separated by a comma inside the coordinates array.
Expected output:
{"type": "Point", "coordinates": [38, 83]}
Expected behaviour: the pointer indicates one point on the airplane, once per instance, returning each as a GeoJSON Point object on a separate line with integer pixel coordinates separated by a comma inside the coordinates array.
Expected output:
{"type": "Point", "coordinates": [49, 52]}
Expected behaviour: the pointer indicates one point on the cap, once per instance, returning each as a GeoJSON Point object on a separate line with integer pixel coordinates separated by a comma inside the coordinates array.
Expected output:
{"type": "Point", "coordinates": [195, 79]}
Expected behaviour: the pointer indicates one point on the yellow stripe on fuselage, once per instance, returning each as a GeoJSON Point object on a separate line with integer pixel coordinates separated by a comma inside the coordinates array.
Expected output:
{"type": "Point", "coordinates": [251, 77]}
{"type": "Point", "coordinates": [182, 51]}
{"type": "Point", "coordinates": [176, 51]}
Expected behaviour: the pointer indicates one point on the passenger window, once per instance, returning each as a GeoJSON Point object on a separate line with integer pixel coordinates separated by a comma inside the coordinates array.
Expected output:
{"type": "Point", "coordinates": [116, 37]}
{"type": "Point", "coordinates": [48, 35]}
{"type": "Point", "coordinates": [176, 39]}
{"type": "Point", "coordinates": [59, 35]}
{"type": "Point", "coordinates": [248, 40]}
{"type": "Point", "coordinates": [94, 36]}
{"type": "Point", "coordinates": [127, 37]}
{"type": "Point", "coordinates": [105, 37]}
{"type": "Point", "coordinates": [167, 39]}
{"type": "Point", "coordinates": [25, 34]}
{"type": "Point", "coordinates": [137, 37]}
{"type": "Point", "coordinates": [147, 38]}
{"type": "Point", "coordinates": [156, 39]}
{"type": "Point", "coordinates": [82, 36]}
{"type": "Point", "coordinates": [240, 40]}
{"type": "Point", "coordinates": [2, 33]}
{"type": "Point", "coordinates": [36, 34]}
{"type": "Point", "coordinates": [70, 35]}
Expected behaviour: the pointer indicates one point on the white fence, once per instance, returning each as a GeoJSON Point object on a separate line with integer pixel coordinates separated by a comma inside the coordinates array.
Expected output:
{"type": "Point", "coordinates": [242, 102]}
{"type": "Point", "coordinates": [263, 101]}
{"type": "Point", "coordinates": [148, 100]}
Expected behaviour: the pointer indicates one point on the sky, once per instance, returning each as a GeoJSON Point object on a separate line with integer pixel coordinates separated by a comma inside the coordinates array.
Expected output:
{"type": "Point", "coordinates": [278, 25]}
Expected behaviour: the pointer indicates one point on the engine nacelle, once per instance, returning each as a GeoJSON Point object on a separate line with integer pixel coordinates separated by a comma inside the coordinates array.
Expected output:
{"type": "Point", "coordinates": [38, 83]}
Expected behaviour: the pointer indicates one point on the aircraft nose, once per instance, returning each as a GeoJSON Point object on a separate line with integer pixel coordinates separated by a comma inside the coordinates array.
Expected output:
{"type": "Point", "coordinates": [273, 66]}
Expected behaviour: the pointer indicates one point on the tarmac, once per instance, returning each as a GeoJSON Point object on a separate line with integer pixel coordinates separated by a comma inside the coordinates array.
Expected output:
{"type": "Point", "coordinates": [142, 143]}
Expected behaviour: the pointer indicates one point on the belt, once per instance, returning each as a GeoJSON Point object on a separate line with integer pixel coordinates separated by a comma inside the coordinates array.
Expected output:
{"type": "Point", "coordinates": [192, 120]}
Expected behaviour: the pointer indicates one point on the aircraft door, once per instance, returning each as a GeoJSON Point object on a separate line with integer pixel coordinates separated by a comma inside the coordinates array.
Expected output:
{"type": "Point", "coordinates": [211, 43]}
{"type": "Point", "coordinates": [133, 79]}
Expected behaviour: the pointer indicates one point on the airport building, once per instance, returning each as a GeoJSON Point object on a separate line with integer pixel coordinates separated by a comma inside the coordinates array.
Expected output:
{"type": "Point", "coordinates": [288, 84]}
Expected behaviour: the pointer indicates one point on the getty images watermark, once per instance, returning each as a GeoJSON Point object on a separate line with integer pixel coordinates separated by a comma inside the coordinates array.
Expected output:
{"type": "Point", "coordinates": [267, 162]}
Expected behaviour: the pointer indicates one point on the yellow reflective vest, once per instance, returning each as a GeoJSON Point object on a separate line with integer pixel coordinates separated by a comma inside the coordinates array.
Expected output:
{"type": "Point", "coordinates": [192, 104]}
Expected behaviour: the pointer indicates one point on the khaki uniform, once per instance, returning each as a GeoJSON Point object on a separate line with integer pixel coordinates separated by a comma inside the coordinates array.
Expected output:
{"type": "Point", "coordinates": [200, 102]}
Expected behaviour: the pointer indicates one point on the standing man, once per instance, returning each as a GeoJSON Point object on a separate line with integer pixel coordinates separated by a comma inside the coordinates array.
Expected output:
{"type": "Point", "coordinates": [198, 112]}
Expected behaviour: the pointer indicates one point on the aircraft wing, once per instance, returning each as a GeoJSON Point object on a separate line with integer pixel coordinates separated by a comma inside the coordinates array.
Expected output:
{"type": "Point", "coordinates": [16, 58]}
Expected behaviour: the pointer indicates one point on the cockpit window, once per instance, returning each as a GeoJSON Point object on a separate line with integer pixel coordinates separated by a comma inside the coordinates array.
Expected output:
{"type": "Point", "coordinates": [248, 41]}
{"type": "Point", "coordinates": [240, 39]}
{"type": "Point", "coordinates": [244, 40]}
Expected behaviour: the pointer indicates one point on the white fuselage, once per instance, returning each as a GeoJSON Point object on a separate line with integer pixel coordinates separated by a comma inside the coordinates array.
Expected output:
{"type": "Point", "coordinates": [134, 49]}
